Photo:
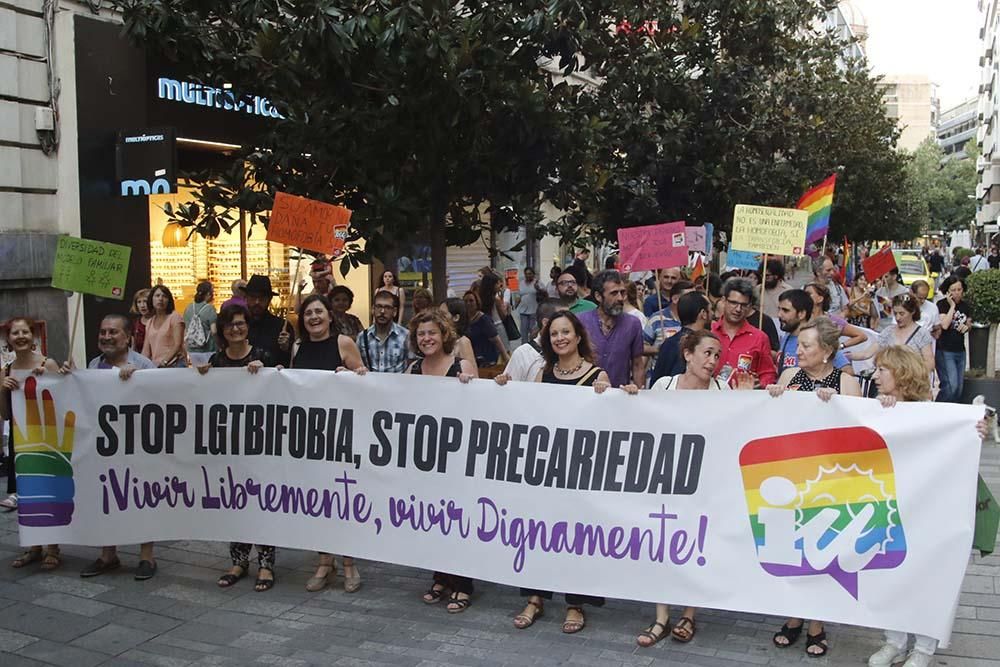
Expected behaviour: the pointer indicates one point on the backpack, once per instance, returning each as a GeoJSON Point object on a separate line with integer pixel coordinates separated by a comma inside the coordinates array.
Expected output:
{"type": "Point", "coordinates": [196, 335]}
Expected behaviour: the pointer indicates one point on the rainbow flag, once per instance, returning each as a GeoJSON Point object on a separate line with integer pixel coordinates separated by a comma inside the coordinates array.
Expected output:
{"type": "Point", "coordinates": [849, 263]}
{"type": "Point", "coordinates": [699, 268]}
{"type": "Point", "coordinates": [818, 201]}
{"type": "Point", "coordinates": [823, 503]}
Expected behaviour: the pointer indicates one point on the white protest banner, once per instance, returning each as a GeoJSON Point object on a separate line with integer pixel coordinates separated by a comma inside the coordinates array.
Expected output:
{"type": "Point", "coordinates": [844, 511]}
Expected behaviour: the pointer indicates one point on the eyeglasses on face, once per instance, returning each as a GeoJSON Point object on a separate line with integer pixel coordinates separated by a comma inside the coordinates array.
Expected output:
{"type": "Point", "coordinates": [739, 305]}
{"type": "Point", "coordinates": [235, 325]}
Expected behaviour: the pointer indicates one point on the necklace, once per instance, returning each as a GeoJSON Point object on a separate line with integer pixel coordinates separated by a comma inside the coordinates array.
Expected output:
{"type": "Point", "coordinates": [560, 371]}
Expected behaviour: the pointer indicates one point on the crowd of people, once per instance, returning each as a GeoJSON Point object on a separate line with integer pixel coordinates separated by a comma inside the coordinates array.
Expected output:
{"type": "Point", "coordinates": [741, 331]}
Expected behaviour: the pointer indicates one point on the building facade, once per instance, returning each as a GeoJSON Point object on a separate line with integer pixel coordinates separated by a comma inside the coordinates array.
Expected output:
{"type": "Point", "coordinates": [956, 127]}
{"type": "Point", "coordinates": [988, 164]}
{"type": "Point", "coordinates": [911, 100]}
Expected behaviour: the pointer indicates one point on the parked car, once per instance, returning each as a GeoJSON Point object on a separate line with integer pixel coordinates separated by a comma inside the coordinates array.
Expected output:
{"type": "Point", "coordinates": [912, 267]}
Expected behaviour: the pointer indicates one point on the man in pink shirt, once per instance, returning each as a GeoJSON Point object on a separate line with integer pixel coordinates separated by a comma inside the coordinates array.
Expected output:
{"type": "Point", "coordinates": [745, 348]}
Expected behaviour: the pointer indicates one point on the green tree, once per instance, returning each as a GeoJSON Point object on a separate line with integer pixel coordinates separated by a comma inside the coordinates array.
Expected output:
{"type": "Point", "coordinates": [943, 189]}
{"type": "Point", "coordinates": [420, 115]}
{"type": "Point", "coordinates": [728, 102]}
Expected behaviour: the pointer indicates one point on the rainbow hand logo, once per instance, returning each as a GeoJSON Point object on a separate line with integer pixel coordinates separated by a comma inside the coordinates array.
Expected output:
{"type": "Point", "coordinates": [44, 472]}
{"type": "Point", "coordinates": [823, 502]}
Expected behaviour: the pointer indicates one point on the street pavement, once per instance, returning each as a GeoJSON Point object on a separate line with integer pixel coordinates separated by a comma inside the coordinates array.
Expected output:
{"type": "Point", "coordinates": [181, 618]}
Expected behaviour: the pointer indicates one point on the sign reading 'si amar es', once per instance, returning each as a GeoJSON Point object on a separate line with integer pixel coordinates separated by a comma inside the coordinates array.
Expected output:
{"type": "Point", "coordinates": [146, 161]}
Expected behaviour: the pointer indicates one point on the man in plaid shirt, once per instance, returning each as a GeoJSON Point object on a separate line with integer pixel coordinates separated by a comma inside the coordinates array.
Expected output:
{"type": "Point", "coordinates": [384, 346]}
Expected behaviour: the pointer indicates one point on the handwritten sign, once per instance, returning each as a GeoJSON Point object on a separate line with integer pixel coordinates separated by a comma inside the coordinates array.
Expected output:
{"type": "Point", "coordinates": [653, 247]}
{"type": "Point", "coordinates": [307, 223]}
{"type": "Point", "coordinates": [695, 238]}
{"type": "Point", "coordinates": [91, 267]}
{"type": "Point", "coordinates": [878, 264]}
{"type": "Point", "coordinates": [765, 229]}
{"type": "Point", "coordinates": [742, 259]}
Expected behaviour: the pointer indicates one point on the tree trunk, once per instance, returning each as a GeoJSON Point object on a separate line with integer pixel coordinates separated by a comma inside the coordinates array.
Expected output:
{"type": "Point", "coordinates": [439, 252]}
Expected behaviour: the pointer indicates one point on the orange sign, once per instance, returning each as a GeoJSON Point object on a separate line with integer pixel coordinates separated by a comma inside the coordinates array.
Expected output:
{"type": "Point", "coordinates": [309, 224]}
{"type": "Point", "coordinates": [512, 283]}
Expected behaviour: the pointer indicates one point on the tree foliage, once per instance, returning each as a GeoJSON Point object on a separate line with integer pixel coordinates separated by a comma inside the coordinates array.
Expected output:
{"type": "Point", "coordinates": [418, 115]}
{"type": "Point", "coordinates": [943, 190]}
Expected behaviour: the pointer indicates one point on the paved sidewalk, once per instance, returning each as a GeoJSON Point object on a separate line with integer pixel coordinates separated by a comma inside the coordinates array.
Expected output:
{"type": "Point", "coordinates": [181, 618]}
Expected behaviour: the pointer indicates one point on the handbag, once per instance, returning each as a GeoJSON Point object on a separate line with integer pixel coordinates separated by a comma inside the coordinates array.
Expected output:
{"type": "Point", "coordinates": [510, 327]}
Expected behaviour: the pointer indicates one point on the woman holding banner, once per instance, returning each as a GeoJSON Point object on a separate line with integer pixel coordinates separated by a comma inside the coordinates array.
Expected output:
{"type": "Point", "coordinates": [21, 341]}
{"type": "Point", "coordinates": [321, 348]}
{"type": "Point", "coordinates": [568, 361]}
{"type": "Point", "coordinates": [818, 343]}
{"type": "Point", "coordinates": [701, 350]}
{"type": "Point", "coordinates": [901, 375]}
{"type": "Point", "coordinates": [235, 351]}
{"type": "Point", "coordinates": [433, 337]}
{"type": "Point", "coordinates": [164, 344]}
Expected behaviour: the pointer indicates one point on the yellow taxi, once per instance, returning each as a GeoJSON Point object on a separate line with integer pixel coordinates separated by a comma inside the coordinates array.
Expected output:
{"type": "Point", "coordinates": [912, 267]}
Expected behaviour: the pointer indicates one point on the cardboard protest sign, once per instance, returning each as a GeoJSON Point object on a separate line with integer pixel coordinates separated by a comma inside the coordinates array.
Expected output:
{"type": "Point", "coordinates": [695, 238]}
{"type": "Point", "coordinates": [765, 229]}
{"type": "Point", "coordinates": [878, 264]}
{"type": "Point", "coordinates": [743, 259]}
{"type": "Point", "coordinates": [91, 267]}
{"type": "Point", "coordinates": [653, 247]}
{"type": "Point", "coordinates": [309, 224]}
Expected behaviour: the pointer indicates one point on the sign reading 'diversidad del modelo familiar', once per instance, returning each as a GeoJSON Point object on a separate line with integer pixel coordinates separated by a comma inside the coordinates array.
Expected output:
{"type": "Point", "coordinates": [91, 267]}
{"type": "Point", "coordinates": [822, 510]}
{"type": "Point", "coordinates": [765, 229]}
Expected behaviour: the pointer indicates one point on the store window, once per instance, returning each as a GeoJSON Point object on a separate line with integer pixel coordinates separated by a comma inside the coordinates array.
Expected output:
{"type": "Point", "coordinates": [180, 262]}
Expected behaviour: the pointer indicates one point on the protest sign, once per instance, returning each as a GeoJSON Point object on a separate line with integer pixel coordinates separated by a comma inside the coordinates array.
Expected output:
{"type": "Point", "coordinates": [742, 259]}
{"type": "Point", "coordinates": [765, 229]}
{"type": "Point", "coordinates": [709, 236]}
{"type": "Point", "coordinates": [695, 238]}
{"type": "Point", "coordinates": [879, 264]}
{"type": "Point", "coordinates": [653, 247]}
{"type": "Point", "coordinates": [91, 267]}
{"type": "Point", "coordinates": [814, 509]}
{"type": "Point", "coordinates": [307, 223]}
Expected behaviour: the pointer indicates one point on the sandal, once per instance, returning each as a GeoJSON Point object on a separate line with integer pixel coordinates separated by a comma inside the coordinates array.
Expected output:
{"type": "Point", "coordinates": [229, 579]}
{"type": "Point", "coordinates": [318, 582]}
{"type": "Point", "coordinates": [9, 504]}
{"type": "Point", "coordinates": [652, 635]}
{"type": "Point", "coordinates": [460, 604]}
{"type": "Point", "coordinates": [522, 620]}
{"type": "Point", "coordinates": [684, 630]}
{"type": "Point", "coordinates": [27, 558]}
{"type": "Point", "coordinates": [51, 560]}
{"type": "Point", "coordinates": [790, 634]}
{"type": "Point", "coordinates": [571, 627]}
{"type": "Point", "coordinates": [262, 585]}
{"type": "Point", "coordinates": [818, 641]}
{"type": "Point", "coordinates": [434, 594]}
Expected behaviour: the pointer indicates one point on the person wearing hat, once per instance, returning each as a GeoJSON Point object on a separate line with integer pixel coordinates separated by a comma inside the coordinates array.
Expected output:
{"type": "Point", "coordinates": [267, 331]}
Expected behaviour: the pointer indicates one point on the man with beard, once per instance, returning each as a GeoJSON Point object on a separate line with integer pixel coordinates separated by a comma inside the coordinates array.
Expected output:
{"type": "Point", "coordinates": [825, 273]}
{"type": "Point", "coordinates": [745, 348]}
{"type": "Point", "coordinates": [267, 331]}
{"type": "Point", "coordinates": [794, 310]}
{"type": "Point", "coordinates": [568, 286]}
{"type": "Point", "coordinates": [384, 345]}
{"type": "Point", "coordinates": [774, 286]}
{"type": "Point", "coordinates": [615, 336]}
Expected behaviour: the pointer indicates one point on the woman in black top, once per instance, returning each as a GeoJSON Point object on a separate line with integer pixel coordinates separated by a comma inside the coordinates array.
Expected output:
{"type": "Point", "coordinates": [568, 361]}
{"type": "Point", "coordinates": [818, 343]}
{"type": "Point", "coordinates": [433, 337]}
{"type": "Point", "coordinates": [235, 351]}
{"type": "Point", "coordinates": [325, 349]}
{"type": "Point", "coordinates": [949, 358]}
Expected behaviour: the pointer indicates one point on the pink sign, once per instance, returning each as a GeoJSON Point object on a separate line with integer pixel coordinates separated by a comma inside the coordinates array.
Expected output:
{"type": "Point", "coordinates": [653, 247]}
{"type": "Point", "coordinates": [695, 238]}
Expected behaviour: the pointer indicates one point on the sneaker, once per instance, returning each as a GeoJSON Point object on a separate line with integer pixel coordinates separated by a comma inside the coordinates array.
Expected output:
{"type": "Point", "coordinates": [918, 659]}
{"type": "Point", "coordinates": [888, 655]}
{"type": "Point", "coordinates": [145, 571]}
{"type": "Point", "coordinates": [9, 503]}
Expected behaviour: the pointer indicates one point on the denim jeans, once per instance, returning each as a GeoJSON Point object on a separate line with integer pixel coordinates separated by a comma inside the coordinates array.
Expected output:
{"type": "Point", "coordinates": [951, 372]}
{"type": "Point", "coordinates": [527, 324]}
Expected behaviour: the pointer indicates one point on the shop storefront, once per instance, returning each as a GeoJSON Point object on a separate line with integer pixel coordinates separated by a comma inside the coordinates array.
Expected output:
{"type": "Point", "coordinates": [120, 89]}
